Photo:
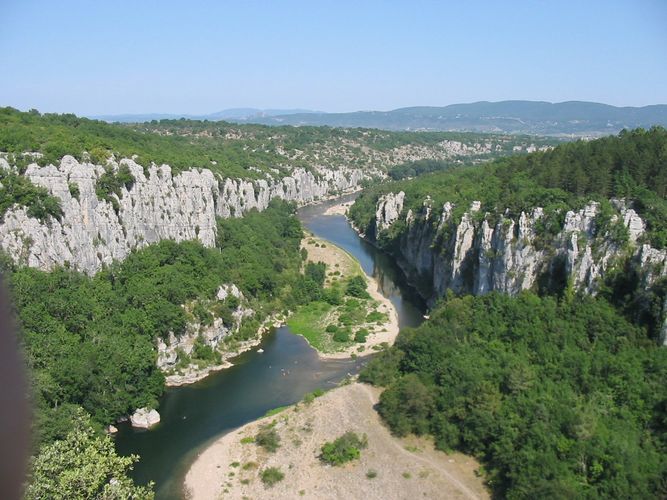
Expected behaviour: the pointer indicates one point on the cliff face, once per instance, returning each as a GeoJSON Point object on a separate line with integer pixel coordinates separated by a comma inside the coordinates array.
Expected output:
{"type": "Point", "coordinates": [158, 206]}
{"type": "Point", "coordinates": [480, 252]}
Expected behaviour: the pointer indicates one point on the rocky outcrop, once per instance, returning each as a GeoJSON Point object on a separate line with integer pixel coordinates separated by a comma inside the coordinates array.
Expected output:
{"type": "Point", "coordinates": [483, 252]}
{"type": "Point", "coordinates": [211, 335]}
{"type": "Point", "coordinates": [159, 205]}
{"type": "Point", "coordinates": [194, 373]}
{"type": "Point", "coordinates": [145, 418]}
{"type": "Point", "coordinates": [389, 210]}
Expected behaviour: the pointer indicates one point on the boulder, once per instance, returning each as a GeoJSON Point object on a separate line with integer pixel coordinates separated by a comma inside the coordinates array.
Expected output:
{"type": "Point", "coordinates": [145, 418]}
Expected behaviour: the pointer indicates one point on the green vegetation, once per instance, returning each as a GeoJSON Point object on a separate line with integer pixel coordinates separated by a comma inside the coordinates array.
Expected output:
{"type": "Point", "coordinates": [343, 449]}
{"type": "Point", "coordinates": [310, 397]}
{"type": "Point", "coordinates": [275, 411]}
{"type": "Point", "coordinates": [247, 151]}
{"type": "Point", "coordinates": [306, 322]}
{"type": "Point", "coordinates": [81, 466]}
{"type": "Point", "coordinates": [632, 165]}
{"type": "Point", "coordinates": [371, 474]}
{"type": "Point", "coordinates": [112, 182]}
{"type": "Point", "coordinates": [356, 287]}
{"type": "Point", "coordinates": [558, 399]}
{"type": "Point", "coordinates": [340, 312]}
{"type": "Point", "coordinates": [329, 327]}
{"type": "Point", "coordinates": [89, 340]}
{"type": "Point", "coordinates": [271, 476]}
{"type": "Point", "coordinates": [419, 167]}
{"type": "Point", "coordinates": [18, 190]}
{"type": "Point", "coordinates": [268, 438]}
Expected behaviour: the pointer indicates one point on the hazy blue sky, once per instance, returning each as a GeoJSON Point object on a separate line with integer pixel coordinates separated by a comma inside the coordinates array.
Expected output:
{"type": "Point", "coordinates": [109, 57]}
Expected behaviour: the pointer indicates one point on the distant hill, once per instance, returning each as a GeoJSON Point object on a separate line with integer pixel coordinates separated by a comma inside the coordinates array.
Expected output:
{"type": "Point", "coordinates": [515, 117]}
{"type": "Point", "coordinates": [572, 118]}
{"type": "Point", "coordinates": [232, 114]}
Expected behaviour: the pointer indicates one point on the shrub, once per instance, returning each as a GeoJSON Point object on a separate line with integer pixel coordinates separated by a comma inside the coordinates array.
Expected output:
{"type": "Point", "coordinates": [341, 336]}
{"type": "Point", "coordinates": [16, 189]}
{"type": "Point", "coordinates": [356, 287]}
{"type": "Point", "coordinates": [202, 351]}
{"type": "Point", "coordinates": [332, 296]}
{"type": "Point", "coordinates": [310, 397]}
{"type": "Point", "coordinates": [271, 476]}
{"type": "Point", "coordinates": [332, 328]}
{"type": "Point", "coordinates": [375, 317]}
{"type": "Point", "coordinates": [361, 335]}
{"type": "Point", "coordinates": [73, 189]}
{"type": "Point", "coordinates": [111, 182]}
{"type": "Point", "coordinates": [268, 438]}
{"type": "Point", "coordinates": [343, 449]}
{"type": "Point", "coordinates": [371, 474]}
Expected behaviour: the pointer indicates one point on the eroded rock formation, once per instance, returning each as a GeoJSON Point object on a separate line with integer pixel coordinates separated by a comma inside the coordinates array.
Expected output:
{"type": "Point", "coordinates": [159, 205]}
{"type": "Point", "coordinates": [482, 252]}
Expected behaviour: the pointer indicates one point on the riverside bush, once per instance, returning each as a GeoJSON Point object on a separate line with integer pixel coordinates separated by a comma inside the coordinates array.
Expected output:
{"type": "Point", "coordinates": [268, 438]}
{"type": "Point", "coordinates": [271, 476]}
{"type": "Point", "coordinates": [343, 449]}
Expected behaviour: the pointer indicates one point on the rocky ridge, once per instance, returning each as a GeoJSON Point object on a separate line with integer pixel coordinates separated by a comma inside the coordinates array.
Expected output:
{"type": "Point", "coordinates": [159, 205]}
{"type": "Point", "coordinates": [483, 252]}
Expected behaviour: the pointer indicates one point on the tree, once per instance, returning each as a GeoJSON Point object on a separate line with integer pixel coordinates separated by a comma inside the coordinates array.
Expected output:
{"type": "Point", "coordinates": [84, 465]}
{"type": "Point", "coordinates": [356, 287]}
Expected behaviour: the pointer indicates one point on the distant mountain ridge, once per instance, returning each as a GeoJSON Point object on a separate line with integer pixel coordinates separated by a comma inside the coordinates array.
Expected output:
{"type": "Point", "coordinates": [233, 114]}
{"type": "Point", "coordinates": [571, 118]}
{"type": "Point", "coordinates": [577, 118]}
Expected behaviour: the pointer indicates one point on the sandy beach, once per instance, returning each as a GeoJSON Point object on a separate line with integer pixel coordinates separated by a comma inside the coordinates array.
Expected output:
{"type": "Point", "coordinates": [339, 209]}
{"type": "Point", "coordinates": [404, 468]}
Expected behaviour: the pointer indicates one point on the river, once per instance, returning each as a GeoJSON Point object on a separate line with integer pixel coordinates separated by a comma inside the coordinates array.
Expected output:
{"type": "Point", "coordinates": [195, 415]}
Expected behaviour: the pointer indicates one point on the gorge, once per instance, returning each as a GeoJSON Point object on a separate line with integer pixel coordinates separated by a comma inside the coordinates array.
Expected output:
{"type": "Point", "coordinates": [164, 252]}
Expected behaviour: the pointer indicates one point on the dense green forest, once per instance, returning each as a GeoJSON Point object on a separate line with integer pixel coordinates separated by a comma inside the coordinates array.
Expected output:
{"type": "Point", "coordinates": [89, 341]}
{"type": "Point", "coordinates": [632, 165]}
{"type": "Point", "coordinates": [558, 399]}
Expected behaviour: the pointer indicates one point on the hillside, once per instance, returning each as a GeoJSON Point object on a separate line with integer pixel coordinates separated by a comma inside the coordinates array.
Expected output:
{"type": "Point", "coordinates": [592, 216]}
{"type": "Point", "coordinates": [543, 353]}
{"type": "Point", "coordinates": [556, 398]}
{"type": "Point", "coordinates": [246, 151]}
{"type": "Point", "coordinates": [573, 118]}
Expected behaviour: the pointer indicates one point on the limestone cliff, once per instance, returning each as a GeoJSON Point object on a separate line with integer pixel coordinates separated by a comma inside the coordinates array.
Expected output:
{"type": "Point", "coordinates": [159, 205]}
{"type": "Point", "coordinates": [481, 252]}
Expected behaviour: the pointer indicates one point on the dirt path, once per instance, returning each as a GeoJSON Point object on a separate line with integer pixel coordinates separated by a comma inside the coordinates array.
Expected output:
{"type": "Point", "coordinates": [405, 468]}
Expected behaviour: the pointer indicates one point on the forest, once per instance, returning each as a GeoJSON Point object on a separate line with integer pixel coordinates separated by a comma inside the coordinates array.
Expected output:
{"type": "Point", "coordinates": [558, 398]}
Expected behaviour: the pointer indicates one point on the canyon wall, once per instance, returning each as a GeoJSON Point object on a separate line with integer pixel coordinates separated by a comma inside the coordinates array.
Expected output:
{"type": "Point", "coordinates": [483, 252]}
{"type": "Point", "coordinates": [159, 205]}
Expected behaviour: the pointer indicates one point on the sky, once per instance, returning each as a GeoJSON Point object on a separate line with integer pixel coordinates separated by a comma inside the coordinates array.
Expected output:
{"type": "Point", "coordinates": [111, 57]}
